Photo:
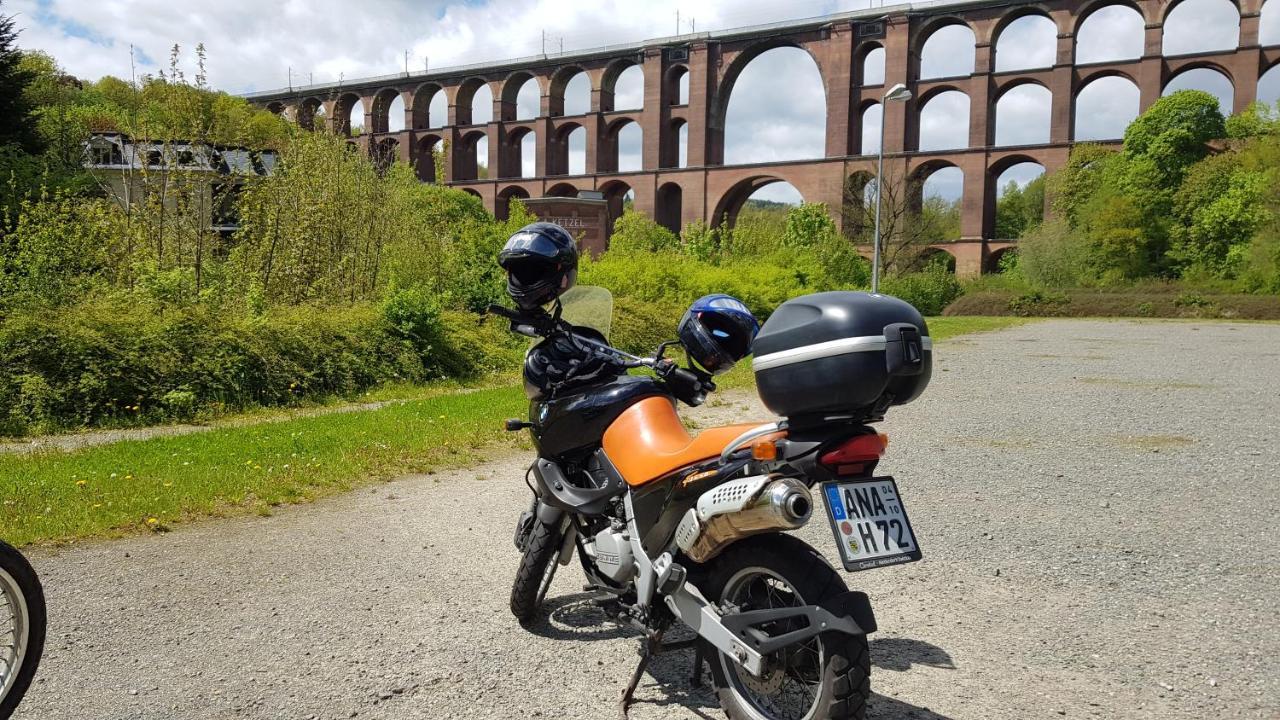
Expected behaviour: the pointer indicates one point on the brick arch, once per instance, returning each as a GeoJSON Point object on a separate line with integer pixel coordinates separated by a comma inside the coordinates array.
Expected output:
{"type": "Point", "coordinates": [512, 155]}
{"type": "Point", "coordinates": [854, 210]}
{"type": "Point", "coordinates": [668, 208]}
{"type": "Point", "coordinates": [511, 87]}
{"type": "Point", "coordinates": [1169, 8]}
{"type": "Point", "coordinates": [732, 200]}
{"type": "Point", "coordinates": [385, 152]}
{"type": "Point", "coordinates": [557, 162]}
{"type": "Point", "coordinates": [342, 108]}
{"type": "Point", "coordinates": [465, 161]}
{"type": "Point", "coordinates": [381, 110]}
{"type": "Point", "coordinates": [993, 172]}
{"type": "Point", "coordinates": [306, 114]}
{"type": "Point", "coordinates": [669, 152]}
{"type": "Point", "coordinates": [860, 62]}
{"type": "Point", "coordinates": [424, 158]}
{"type": "Point", "coordinates": [615, 194]}
{"type": "Point", "coordinates": [609, 82]}
{"type": "Point", "coordinates": [559, 82]}
{"type": "Point", "coordinates": [730, 74]}
{"type": "Point", "coordinates": [998, 252]}
{"type": "Point", "coordinates": [423, 95]}
{"type": "Point", "coordinates": [926, 31]}
{"type": "Point", "coordinates": [502, 202]}
{"type": "Point", "coordinates": [1089, 77]}
{"type": "Point", "coordinates": [927, 256]}
{"type": "Point", "coordinates": [465, 98]}
{"type": "Point", "coordinates": [671, 81]}
{"type": "Point", "coordinates": [608, 158]}
{"type": "Point", "coordinates": [923, 104]}
{"type": "Point", "coordinates": [1007, 84]}
{"type": "Point", "coordinates": [563, 189]}
{"type": "Point", "coordinates": [1197, 64]}
{"type": "Point", "coordinates": [1019, 12]}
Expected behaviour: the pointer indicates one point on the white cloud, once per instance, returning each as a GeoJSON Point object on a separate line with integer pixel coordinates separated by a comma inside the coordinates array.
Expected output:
{"type": "Point", "coordinates": [1028, 42]}
{"type": "Point", "coordinates": [1105, 107]}
{"type": "Point", "coordinates": [1200, 26]}
{"type": "Point", "coordinates": [1208, 80]}
{"type": "Point", "coordinates": [944, 122]}
{"type": "Point", "coordinates": [948, 52]}
{"type": "Point", "coordinates": [1022, 115]}
{"type": "Point", "coordinates": [1114, 32]}
{"type": "Point", "coordinates": [768, 120]}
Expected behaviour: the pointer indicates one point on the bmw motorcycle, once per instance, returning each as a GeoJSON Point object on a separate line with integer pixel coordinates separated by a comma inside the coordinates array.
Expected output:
{"type": "Point", "coordinates": [670, 528]}
{"type": "Point", "coordinates": [22, 627]}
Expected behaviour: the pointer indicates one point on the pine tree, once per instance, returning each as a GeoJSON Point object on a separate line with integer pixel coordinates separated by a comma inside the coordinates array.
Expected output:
{"type": "Point", "coordinates": [17, 126]}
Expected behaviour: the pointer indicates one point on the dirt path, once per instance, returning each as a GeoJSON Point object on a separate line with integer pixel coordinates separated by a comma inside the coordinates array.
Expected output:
{"type": "Point", "coordinates": [1096, 502]}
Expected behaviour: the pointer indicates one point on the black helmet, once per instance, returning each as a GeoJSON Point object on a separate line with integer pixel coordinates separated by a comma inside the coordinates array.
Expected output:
{"type": "Point", "coordinates": [541, 261]}
{"type": "Point", "coordinates": [717, 332]}
{"type": "Point", "coordinates": [561, 363]}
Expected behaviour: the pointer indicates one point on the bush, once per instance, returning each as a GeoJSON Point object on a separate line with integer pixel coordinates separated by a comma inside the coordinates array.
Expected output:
{"type": "Point", "coordinates": [1038, 304]}
{"type": "Point", "coordinates": [1053, 255]}
{"type": "Point", "coordinates": [930, 291]}
{"type": "Point", "coordinates": [122, 362]}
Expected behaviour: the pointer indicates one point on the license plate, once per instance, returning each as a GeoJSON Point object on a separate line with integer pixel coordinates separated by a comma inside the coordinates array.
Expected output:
{"type": "Point", "coordinates": [870, 523]}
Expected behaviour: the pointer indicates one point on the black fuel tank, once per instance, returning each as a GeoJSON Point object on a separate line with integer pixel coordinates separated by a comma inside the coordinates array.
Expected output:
{"type": "Point", "coordinates": [578, 421]}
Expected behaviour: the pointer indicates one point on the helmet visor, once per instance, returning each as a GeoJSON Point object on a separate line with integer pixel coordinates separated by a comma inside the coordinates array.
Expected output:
{"type": "Point", "coordinates": [532, 243]}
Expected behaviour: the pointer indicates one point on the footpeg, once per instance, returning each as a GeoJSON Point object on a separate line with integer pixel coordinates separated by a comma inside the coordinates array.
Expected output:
{"type": "Point", "coordinates": [671, 575]}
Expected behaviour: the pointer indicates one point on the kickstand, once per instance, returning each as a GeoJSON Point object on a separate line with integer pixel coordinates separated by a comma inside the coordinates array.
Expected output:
{"type": "Point", "coordinates": [651, 648]}
{"type": "Point", "coordinates": [696, 680]}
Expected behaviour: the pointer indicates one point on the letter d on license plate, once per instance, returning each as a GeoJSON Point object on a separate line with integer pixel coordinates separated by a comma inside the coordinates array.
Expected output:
{"type": "Point", "coordinates": [870, 523]}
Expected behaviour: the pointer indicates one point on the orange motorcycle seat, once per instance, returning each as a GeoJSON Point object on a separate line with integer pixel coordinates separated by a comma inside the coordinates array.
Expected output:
{"type": "Point", "coordinates": [648, 441]}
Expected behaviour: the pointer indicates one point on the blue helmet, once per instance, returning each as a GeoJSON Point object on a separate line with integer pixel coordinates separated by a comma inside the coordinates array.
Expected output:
{"type": "Point", "coordinates": [717, 331]}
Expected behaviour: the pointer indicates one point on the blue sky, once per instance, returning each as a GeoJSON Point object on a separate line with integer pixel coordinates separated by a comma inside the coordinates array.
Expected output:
{"type": "Point", "coordinates": [255, 44]}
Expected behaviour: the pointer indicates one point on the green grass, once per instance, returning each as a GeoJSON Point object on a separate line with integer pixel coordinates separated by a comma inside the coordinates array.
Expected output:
{"type": "Point", "coordinates": [151, 485]}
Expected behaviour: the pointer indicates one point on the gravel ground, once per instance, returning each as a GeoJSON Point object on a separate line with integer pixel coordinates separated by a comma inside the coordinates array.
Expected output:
{"type": "Point", "coordinates": [1096, 502]}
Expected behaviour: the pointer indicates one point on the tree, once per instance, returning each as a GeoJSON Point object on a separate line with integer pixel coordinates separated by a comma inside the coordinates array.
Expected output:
{"type": "Point", "coordinates": [16, 124]}
{"type": "Point", "coordinates": [1020, 210]}
{"type": "Point", "coordinates": [909, 222]}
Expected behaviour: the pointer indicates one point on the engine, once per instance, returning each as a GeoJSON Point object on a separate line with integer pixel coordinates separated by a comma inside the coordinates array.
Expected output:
{"type": "Point", "coordinates": [610, 549]}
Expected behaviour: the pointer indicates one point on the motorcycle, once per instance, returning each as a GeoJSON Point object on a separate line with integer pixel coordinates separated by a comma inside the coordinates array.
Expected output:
{"type": "Point", "coordinates": [22, 627]}
{"type": "Point", "coordinates": [671, 528]}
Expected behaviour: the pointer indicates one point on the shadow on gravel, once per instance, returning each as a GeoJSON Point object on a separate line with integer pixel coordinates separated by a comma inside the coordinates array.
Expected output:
{"type": "Point", "coordinates": [576, 617]}
{"type": "Point", "coordinates": [887, 708]}
{"type": "Point", "coordinates": [900, 654]}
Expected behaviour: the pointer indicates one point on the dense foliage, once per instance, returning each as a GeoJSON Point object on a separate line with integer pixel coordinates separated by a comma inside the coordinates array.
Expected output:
{"type": "Point", "coordinates": [1191, 196]}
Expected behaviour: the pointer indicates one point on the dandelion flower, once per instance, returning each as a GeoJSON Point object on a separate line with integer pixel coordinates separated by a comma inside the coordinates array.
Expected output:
{"type": "Point", "coordinates": [153, 521]}
{"type": "Point", "coordinates": [80, 483]}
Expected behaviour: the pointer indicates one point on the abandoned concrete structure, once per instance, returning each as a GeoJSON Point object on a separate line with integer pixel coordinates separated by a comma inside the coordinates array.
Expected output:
{"type": "Point", "coordinates": [859, 56]}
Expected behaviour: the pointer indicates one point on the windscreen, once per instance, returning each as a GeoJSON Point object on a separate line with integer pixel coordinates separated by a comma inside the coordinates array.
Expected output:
{"type": "Point", "coordinates": [589, 306]}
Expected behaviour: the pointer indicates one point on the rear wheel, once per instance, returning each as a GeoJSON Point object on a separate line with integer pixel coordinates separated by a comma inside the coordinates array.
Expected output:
{"type": "Point", "coordinates": [22, 625]}
{"type": "Point", "coordinates": [827, 677]}
{"type": "Point", "coordinates": [537, 569]}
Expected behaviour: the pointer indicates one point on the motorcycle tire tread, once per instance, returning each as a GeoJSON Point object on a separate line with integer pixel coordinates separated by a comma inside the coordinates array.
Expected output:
{"type": "Point", "coordinates": [17, 566]}
{"type": "Point", "coordinates": [849, 666]}
{"type": "Point", "coordinates": [542, 548]}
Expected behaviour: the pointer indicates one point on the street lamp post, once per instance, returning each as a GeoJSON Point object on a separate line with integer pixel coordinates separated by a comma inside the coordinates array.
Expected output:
{"type": "Point", "coordinates": [897, 93]}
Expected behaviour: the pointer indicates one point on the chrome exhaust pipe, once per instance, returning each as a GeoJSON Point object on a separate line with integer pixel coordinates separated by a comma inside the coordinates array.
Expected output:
{"type": "Point", "coordinates": [761, 505]}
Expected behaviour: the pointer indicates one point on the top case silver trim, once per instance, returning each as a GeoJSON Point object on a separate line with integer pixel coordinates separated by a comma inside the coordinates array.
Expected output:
{"type": "Point", "coordinates": [841, 346]}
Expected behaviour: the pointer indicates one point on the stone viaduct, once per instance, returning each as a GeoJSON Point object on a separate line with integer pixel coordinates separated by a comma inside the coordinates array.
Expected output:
{"type": "Point", "coordinates": [702, 186]}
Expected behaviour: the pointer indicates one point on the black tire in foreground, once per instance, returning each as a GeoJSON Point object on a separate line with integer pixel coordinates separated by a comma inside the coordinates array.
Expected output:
{"type": "Point", "coordinates": [828, 678]}
{"type": "Point", "coordinates": [537, 568]}
{"type": "Point", "coordinates": [22, 611]}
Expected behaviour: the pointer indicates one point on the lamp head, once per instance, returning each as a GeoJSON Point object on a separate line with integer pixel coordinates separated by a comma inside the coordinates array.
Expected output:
{"type": "Point", "coordinates": [898, 93]}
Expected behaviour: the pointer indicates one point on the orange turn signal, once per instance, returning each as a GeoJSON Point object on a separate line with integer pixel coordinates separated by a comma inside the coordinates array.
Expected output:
{"type": "Point", "coordinates": [884, 440]}
{"type": "Point", "coordinates": [764, 450]}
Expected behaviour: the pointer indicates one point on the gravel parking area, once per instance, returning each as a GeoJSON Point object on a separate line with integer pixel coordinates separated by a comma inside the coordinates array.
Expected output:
{"type": "Point", "coordinates": [1097, 503]}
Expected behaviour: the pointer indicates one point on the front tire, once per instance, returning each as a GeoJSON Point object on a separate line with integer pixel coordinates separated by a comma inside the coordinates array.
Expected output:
{"type": "Point", "coordinates": [826, 678]}
{"type": "Point", "coordinates": [537, 569]}
{"type": "Point", "coordinates": [22, 627]}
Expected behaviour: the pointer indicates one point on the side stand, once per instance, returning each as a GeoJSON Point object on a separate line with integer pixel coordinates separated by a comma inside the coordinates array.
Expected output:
{"type": "Point", "coordinates": [654, 646]}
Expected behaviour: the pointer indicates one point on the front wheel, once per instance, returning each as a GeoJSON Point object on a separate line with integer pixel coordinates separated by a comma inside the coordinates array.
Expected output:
{"type": "Point", "coordinates": [826, 677]}
{"type": "Point", "coordinates": [537, 569]}
{"type": "Point", "coordinates": [22, 626]}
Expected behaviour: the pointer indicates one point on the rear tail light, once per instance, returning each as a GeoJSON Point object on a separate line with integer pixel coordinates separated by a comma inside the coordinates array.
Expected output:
{"type": "Point", "coordinates": [856, 455]}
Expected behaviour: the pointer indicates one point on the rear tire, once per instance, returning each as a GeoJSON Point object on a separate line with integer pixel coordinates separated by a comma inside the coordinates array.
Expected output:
{"type": "Point", "coordinates": [22, 612]}
{"type": "Point", "coordinates": [537, 568]}
{"type": "Point", "coordinates": [841, 662]}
